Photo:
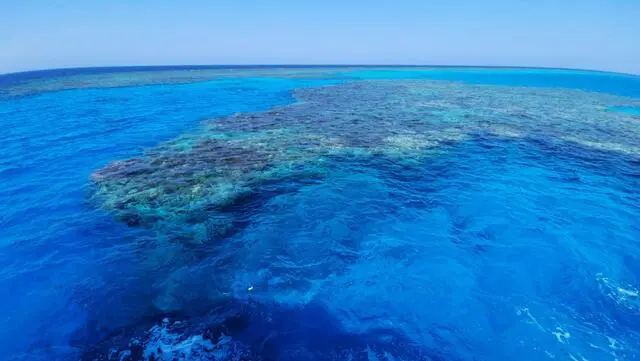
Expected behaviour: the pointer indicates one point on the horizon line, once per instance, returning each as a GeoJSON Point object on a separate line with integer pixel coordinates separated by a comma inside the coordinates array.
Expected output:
{"type": "Point", "coordinates": [106, 69]}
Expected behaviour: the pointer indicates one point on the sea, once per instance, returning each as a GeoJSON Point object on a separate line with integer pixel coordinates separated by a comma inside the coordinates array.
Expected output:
{"type": "Point", "coordinates": [319, 213]}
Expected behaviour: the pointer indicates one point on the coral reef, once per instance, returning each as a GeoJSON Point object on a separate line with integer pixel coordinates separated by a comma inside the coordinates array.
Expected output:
{"type": "Point", "coordinates": [199, 186]}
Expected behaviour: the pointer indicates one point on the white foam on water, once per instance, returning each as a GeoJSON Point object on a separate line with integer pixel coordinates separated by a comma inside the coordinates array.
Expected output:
{"type": "Point", "coordinates": [614, 344]}
{"type": "Point", "coordinates": [623, 295]}
{"type": "Point", "coordinates": [549, 354]}
{"type": "Point", "coordinates": [582, 358]}
{"type": "Point", "coordinates": [561, 335]}
{"type": "Point", "coordinates": [632, 293]}
{"type": "Point", "coordinates": [164, 345]}
{"type": "Point", "coordinates": [524, 311]}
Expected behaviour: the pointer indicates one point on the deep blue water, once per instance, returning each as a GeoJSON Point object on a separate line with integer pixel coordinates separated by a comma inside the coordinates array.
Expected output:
{"type": "Point", "coordinates": [493, 249]}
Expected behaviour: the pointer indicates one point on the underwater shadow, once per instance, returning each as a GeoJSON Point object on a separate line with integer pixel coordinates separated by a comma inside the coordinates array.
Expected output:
{"type": "Point", "coordinates": [237, 330]}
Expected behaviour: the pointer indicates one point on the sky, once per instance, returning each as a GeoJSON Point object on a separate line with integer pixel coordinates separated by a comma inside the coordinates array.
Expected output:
{"type": "Point", "coordinates": [587, 34]}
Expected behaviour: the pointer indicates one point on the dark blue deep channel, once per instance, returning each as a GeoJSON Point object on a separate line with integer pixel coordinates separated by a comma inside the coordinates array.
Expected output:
{"type": "Point", "coordinates": [320, 214]}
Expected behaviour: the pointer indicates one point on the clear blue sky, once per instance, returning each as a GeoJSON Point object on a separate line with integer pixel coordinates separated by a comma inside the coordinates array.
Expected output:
{"type": "Point", "coordinates": [594, 34]}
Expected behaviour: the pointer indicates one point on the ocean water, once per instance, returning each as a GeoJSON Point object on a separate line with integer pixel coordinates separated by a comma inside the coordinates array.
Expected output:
{"type": "Point", "coordinates": [629, 110]}
{"type": "Point", "coordinates": [320, 214]}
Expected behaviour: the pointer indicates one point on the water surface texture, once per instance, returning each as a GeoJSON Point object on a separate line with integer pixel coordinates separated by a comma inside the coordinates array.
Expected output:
{"type": "Point", "coordinates": [320, 213]}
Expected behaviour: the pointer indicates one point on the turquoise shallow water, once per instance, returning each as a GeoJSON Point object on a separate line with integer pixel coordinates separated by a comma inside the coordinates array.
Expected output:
{"type": "Point", "coordinates": [629, 110]}
{"type": "Point", "coordinates": [321, 213]}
